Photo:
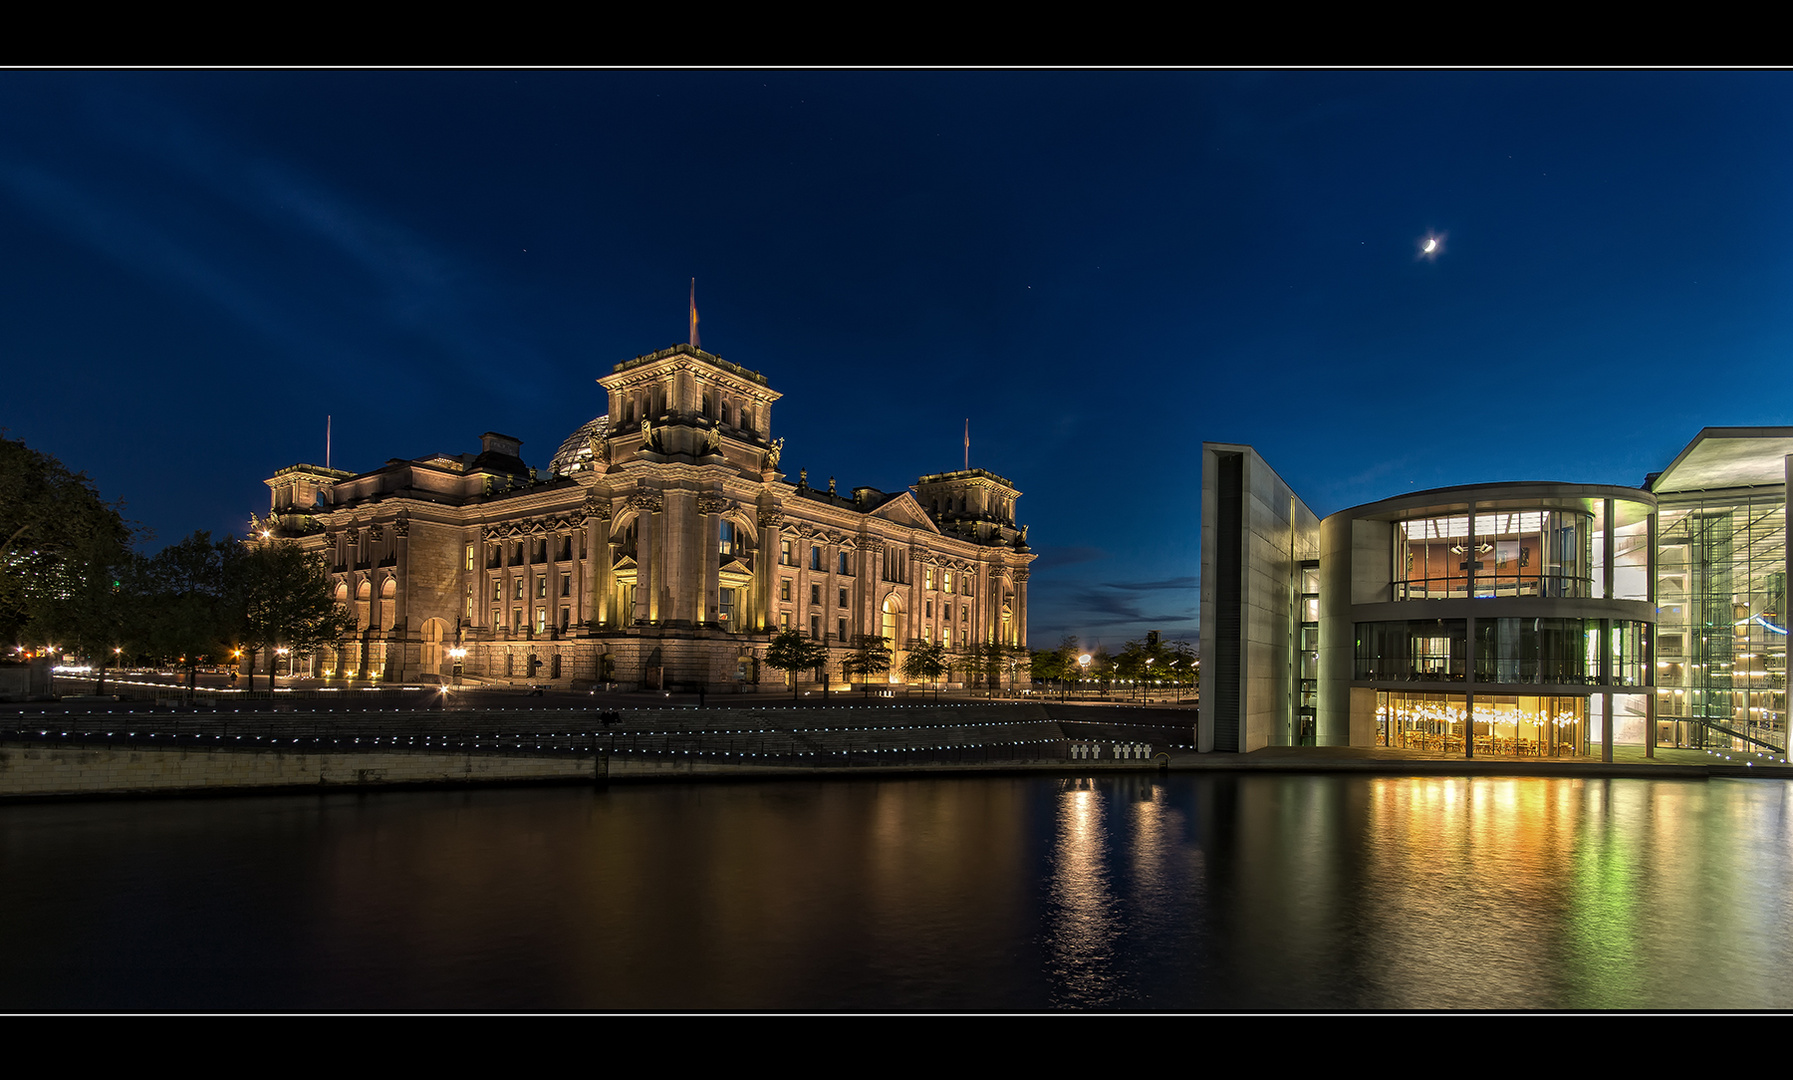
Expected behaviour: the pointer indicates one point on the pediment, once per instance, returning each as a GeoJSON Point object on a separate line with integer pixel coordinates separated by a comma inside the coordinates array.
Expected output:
{"type": "Point", "coordinates": [904, 510]}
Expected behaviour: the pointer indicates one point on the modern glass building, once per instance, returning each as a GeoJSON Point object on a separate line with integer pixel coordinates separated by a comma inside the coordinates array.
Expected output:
{"type": "Point", "coordinates": [1547, 620]}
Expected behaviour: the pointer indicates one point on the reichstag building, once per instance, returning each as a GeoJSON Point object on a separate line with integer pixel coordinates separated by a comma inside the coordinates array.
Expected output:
{"type": "Point", "coordinates": [662, 548]}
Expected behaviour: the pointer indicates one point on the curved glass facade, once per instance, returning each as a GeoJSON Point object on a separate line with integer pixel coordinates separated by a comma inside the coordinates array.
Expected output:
{"type": "Point", "coordinates": [1529, 651]}
{"type": "Point", "coordinates": [1505, 553]}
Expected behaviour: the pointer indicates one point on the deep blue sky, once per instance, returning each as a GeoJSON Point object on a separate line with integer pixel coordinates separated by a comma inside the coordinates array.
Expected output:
{"type": "Point", "coordinates": [1100, 269]}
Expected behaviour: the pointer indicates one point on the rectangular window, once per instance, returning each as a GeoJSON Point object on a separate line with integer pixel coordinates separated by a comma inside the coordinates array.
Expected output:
{"type": "Point", "coordinates": [566, 618]}
{"type": "Point", "coordinates": [541, 586]}
{"type": "Point", "coordinates": [815, 594]}
{"type": "Point", "coordinates": [928, 577]}
{"type": "Point", "coordinates": [926, 635]}
{"type": "Point", "coordinates": [726, 532]}
{"type": "Point", "coordinates": [842, 635]}
{"type": "Point", "coordinates": [946, 581]}
{"type": "Point", "coordinates": [469, 556]}
{"type": "Point", "coordinates": [566, 584]}
{"type": "Point", "coordinates": [843, 598]}
{"type": "Point", "coordinates": [497, 618]}
{"type": "Point", "coordinates": [843, 562]}
{"type": "Point", "coordinates": [964, 613]}
{"type": "Point", "coordinates": [784, 619]}
{"type": "Point", "coordinates": [517, 554]}
{"type": "Point", "coordinates": [541, 619]}
{"type": "Point", "coordinates": [497, 589]}
{"type": "Point", "coordinates": [727, 613]}
{"type": "Point", "coordinates": [784, 589]}
{"type": "Point", "coordinates": [516, 618]}
{"type": "Point", "coordinates": [469, 603]}
{"type": "Point", "coordinates": [784, 553]}
{"type": "Point", "coordinates": [929, 605]}
{"type": "Point", "coordinates": [815, 627]}
{"type": "Point", "coordinates": [519, 590]}
{"type": "Point", "coordinates": [815, 558]}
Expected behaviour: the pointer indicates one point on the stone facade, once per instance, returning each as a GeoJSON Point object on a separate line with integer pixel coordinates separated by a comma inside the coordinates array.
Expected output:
{"type": "Point", "coordinates": [662, 549]}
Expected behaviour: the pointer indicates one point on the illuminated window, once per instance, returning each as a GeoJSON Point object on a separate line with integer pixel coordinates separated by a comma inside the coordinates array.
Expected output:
{"type": "Point", "coordinates": [469, 556]}
{"type": "Point", "coordinates": [946, 581]}
{"type": "Point", "coordinates": [784, 589]}
{"type": "Point", "coordinates": [519, 590]}
{"type": "Point", "coordinates": [727, 532]}
{"type": "Point", "coordinates": [541, 619]}
{"type": "Point", "coordinates": [784, 553]}
{"type": "Point", "coordinates": [497, 589]}
{"type": "Point", "coordinates": [541, 586]}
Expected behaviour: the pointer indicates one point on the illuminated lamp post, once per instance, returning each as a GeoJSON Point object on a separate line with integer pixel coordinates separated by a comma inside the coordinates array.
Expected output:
{"type": "Point", "coordinates": [1083, 679]}
{"type": "Point", "coordinates": [459, 654]}
{"type": "Point", "coordinates": [274, 666]}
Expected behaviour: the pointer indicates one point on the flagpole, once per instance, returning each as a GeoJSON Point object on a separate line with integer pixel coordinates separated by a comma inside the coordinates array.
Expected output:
{"type": "Point", "coordinates": [694, 340]}
{"type": "Point", "coordinates": [968, 444]}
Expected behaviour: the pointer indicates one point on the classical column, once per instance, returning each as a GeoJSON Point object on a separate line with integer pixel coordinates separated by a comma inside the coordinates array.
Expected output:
{"type": "Point", "coordinates": [597, 581]}
{"type": "Point", "coordinates": [1021, 607]}
{"type": "Point", "coordinates": [766, 565]}
{"type": "Point", "coordinates": [650, 555]}
{"type": "Point", "coordinates": [707, 559]}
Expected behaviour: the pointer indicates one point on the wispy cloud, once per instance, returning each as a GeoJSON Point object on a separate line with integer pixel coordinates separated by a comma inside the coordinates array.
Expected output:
{"type": "Point", "coordinates": [144, 247]}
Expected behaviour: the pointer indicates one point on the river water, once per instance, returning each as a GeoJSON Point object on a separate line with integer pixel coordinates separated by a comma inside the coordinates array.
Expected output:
{"type": "Point", "coordinates": [1124, 892]}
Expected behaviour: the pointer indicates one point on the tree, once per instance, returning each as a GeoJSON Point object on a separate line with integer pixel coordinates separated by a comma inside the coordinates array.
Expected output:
{"type": "Point", "coordinates": [185, 594]}
{"type": "Point", "coordinates": [871, 658]}
{"type": "Point", "coordinates": [793, 652]}
{"type": "Point", "coordinates": [284, 597]}
{"type": "Point", "coordinates": [926, 662]}
{"type": "Point", "coordinates": [63, 553]}
{"type": "Point", "coordinates": [1056, 665]}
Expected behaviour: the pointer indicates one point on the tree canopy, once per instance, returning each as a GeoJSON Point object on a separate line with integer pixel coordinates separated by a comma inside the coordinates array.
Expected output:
{"type": "Point", "coordinates": [870, 658]}
{"type": "Point", "coordinates": [286, 601]}
{"type": "Point", "coordinates": [793, 652]}
{"type": "Point", "coordinates": [926, 661]}
{"type": "Point", "coordinates": [65, 554]}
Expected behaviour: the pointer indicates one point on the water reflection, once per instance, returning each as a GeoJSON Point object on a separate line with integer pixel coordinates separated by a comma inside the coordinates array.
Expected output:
{"type": "Point", "coordinates": [1120, 892]}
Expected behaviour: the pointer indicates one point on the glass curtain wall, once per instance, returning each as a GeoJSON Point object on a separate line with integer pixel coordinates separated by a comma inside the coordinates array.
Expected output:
{"type": "Point", "coordinates": [1560, 652]}
{"type": "Point", "coordinates": [1721, 635]}
{"type": "Point", "coordinates": [1516, 553]}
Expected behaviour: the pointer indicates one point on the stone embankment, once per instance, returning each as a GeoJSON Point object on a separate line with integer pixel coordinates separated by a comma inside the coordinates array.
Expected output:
{"type": "Point", "coordinates": [124, 752]}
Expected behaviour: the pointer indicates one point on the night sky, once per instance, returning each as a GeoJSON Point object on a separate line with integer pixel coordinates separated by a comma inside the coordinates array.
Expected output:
{"type": "Point", "coordinates": [1100, 269]}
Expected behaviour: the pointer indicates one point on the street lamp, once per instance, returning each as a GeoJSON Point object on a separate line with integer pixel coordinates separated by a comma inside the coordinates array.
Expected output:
{"type": "Point", "coordinates": [1083, 679]}
{"type": "Point", "coordinates": [274, 667]}
{"type": "Point", "coordinates": [458, 654]}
